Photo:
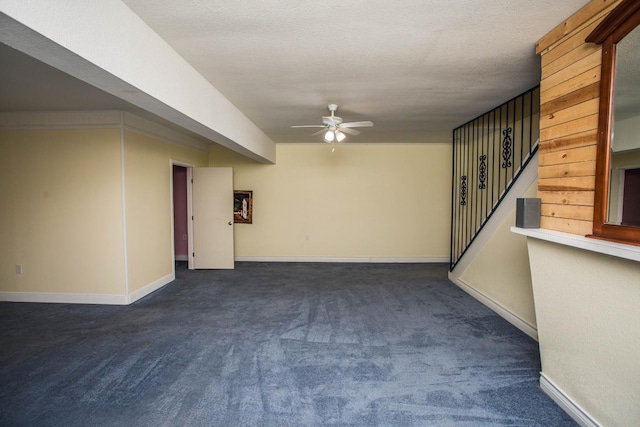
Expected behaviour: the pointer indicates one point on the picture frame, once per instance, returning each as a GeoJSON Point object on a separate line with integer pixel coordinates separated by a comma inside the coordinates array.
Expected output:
{"type": "Point", "coordinates": [243, 206]}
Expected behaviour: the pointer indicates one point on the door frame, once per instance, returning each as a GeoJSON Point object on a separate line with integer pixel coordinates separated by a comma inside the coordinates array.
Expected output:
{"type": "Point", "coordinates": [189, 168]}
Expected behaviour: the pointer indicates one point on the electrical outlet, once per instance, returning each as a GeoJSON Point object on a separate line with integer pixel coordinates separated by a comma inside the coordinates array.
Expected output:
{"type": "Point", "coordinates": [306, 237]}
{"type": "Point", "coordinates": [18, 268]}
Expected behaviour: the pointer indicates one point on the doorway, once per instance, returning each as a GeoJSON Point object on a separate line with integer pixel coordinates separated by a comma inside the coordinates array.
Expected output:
{"type": "Point", "coordinates": [180, 218]}
{"type": "Point", "coordinates": [631, 198]}
{"type": "Point", "coordinates": [214, 218]}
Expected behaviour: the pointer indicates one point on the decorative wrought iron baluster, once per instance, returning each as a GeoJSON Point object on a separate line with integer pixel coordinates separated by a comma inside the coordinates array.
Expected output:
{"type": "Point", "coordinates": [482, 175]}
{"type": "Point", "coordinates": [506, 148]}
{"type": "Point", "coordinates": [463, 190]}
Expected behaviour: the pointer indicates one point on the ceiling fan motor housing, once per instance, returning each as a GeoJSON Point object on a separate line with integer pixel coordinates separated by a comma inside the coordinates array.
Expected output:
{"type": "Point", "coordinates": [331, 120]}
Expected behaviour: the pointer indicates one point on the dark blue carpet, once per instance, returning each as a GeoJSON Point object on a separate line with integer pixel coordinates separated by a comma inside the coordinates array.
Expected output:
{"type": "Point", "coordinates": [273, 344]}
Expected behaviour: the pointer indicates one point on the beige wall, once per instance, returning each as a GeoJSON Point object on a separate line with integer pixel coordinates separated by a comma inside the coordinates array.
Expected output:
{"type": "Point", "coordinates": [61, 216]}
{"type": "Point", "coordinates": [148, 205]}
{"type": "Point", "coordinates": [588, 315]}
{"type": "Point", "coordinates": [361, 201]}
{"type": "Point", "coordinates": [501, 270]}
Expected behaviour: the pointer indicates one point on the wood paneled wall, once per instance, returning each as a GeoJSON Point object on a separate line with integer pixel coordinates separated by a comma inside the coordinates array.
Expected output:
{"type": "Point", "coordinates": [569, 97]}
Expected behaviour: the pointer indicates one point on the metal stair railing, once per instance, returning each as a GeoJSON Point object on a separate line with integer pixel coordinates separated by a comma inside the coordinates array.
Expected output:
{"type": "Point", "coordinates": [489, 154]}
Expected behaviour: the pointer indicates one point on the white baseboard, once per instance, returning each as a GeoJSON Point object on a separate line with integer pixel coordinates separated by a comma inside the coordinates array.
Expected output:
{"type": "Point", "coordinates": [184, 257]}
{"type": "Point", "coordinates": [63, 298]}
{"type": "Point", "coordinates": [343, 259]}
{"type": "Point", "coordinates": [506, 314]}
{"type": "Point", "coordinates": [68, 298]}
{"type": "Point", "coordinates": [151, 287]}
{"type": "Point", "coordinates": [566, 403]}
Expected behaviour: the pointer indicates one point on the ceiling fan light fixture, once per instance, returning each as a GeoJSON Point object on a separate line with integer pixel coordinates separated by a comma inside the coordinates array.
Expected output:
{"type": "Point", "coordinates": [328, 137]}
{"type": "Point", "coordinates": [333, 128]}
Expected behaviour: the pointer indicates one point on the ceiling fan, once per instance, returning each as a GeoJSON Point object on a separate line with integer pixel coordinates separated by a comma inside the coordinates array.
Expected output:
{"type": "Point", "coordinates": [333, 127]}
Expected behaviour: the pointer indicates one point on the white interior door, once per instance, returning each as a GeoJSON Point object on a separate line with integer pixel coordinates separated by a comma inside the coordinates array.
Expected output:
{"type": "Point", "coordinates": [213, 218]}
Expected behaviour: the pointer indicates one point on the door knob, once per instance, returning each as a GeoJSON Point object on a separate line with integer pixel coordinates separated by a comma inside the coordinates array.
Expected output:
{"type": "Point", "coordinates": [230, 223]}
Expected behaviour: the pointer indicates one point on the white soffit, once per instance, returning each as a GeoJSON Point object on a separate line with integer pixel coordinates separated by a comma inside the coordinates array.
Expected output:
{"type": "Point", "coordinates": [106, 45]}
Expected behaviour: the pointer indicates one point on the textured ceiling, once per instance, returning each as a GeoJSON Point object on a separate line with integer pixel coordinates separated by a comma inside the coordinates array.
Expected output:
{"type": "Point", "coordinates": [416, 68]}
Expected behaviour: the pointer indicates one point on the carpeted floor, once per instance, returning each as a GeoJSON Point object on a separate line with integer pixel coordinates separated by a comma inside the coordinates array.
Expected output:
{"type": "Point", "coordinates": [272, 344]}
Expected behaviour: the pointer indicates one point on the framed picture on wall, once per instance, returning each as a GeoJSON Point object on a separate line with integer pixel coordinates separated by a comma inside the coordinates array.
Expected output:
{"type": "Point", "coordinates": [242, 206]}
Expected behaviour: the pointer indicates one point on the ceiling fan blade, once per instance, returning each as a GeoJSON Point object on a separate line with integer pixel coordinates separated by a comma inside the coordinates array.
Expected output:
{"type": "Point", "coordinates": [365, 124]}
{"type": "Point", "coordinates": [349, 131]}
{"type": "Point", "coordinates": [319, 132]}
{"type": "Point", "coordinates": [308, 126]}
